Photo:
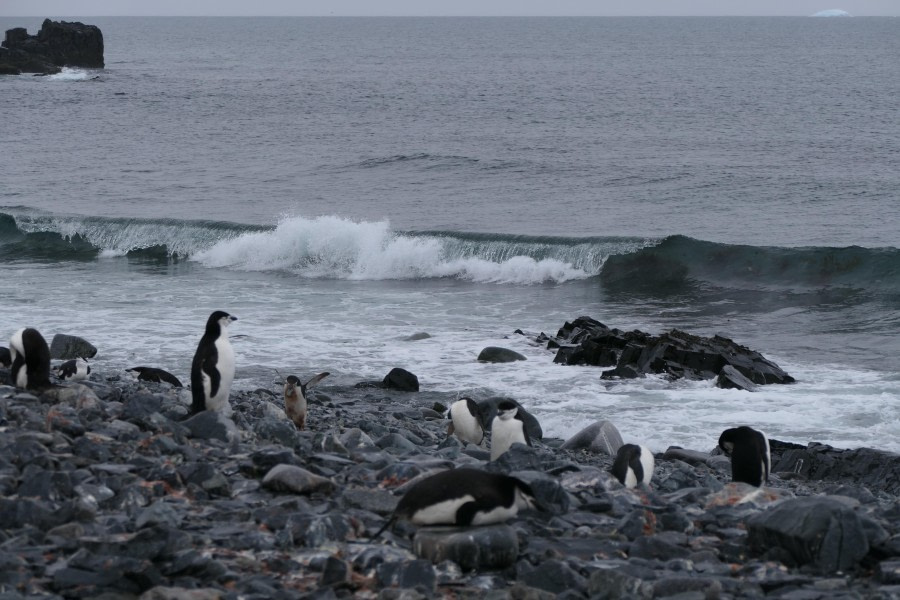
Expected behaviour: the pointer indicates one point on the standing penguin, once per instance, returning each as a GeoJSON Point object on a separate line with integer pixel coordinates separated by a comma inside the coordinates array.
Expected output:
{"type": "Point", "coordinates": [463, 497]}
{"type": "Point", "coordinates": [30, 356]}
{"type": "Point", "coordinates": [465, 421]}
{"type": "Point", "coordinates": [749, 452]}
{"type": "Point", "coordinates": [212, 369]}
{"type": "Point", "coordinates": [633, 465]}
{"type": "Point", "coordinates": [507, 429]}
{"type": "Point", "coordinates": [295, 398]}
{"type": "Point", "coordinates": [76, 369]}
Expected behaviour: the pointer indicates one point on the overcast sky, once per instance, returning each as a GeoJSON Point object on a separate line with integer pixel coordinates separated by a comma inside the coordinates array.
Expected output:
{"type": "Point", "coordinates": [87, 8]}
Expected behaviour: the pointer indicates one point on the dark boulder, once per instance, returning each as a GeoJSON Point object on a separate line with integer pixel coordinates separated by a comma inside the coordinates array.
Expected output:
{"type": "Point", "coordinates": [819, 531]}
{"type": "Point", "coordinates": [65, 347]}
{"type": "Point", "coordinates": [499, 355]}
{"type": "Point", "coordinates": [402, 380]}
{"type": "Point", "coordinates": [57, 44]}
{"type": "Point", "coordinates": [677, 354]}
{"type": "Point", "coordinates": [875, 469]}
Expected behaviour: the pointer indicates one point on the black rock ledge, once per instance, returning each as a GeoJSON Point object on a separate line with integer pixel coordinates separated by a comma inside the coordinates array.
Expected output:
{"type": "Point", "coordinates": [58, 44]}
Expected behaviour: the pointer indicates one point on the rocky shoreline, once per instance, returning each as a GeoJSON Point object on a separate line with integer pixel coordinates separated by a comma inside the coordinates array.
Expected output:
{"type": "Point", "coordinates": [108, 491]}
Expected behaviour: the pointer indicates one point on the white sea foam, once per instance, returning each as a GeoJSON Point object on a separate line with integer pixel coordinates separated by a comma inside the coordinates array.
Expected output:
{"type": "Point", "coordinates": [332, 247]}
{"type": "Point", "coordinates": [71, 74]}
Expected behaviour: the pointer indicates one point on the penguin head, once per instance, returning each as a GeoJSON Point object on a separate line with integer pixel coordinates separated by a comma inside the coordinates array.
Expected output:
{"type": "Point", "coordinates": [220, 318]}
{"type": "Point", "coordinates": [507, 410]}
{"type": "Point", "coordinates": [525, 498]}
{"type": "Point", "coordinates": [291, 383]}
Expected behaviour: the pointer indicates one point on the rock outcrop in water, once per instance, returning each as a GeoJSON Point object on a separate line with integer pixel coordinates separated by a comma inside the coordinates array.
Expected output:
{"type": "Point", "coordinates": [676, 354]}
{"type": "Point", "coordinates": [106, 491]}
{"type": "Point", "coordinates": [58, 44]}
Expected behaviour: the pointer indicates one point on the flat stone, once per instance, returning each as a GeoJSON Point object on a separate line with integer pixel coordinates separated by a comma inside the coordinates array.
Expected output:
{"type": "Point", "coordinates": [474, 548]}
{"type": "Point", "coordinates": [601, 437]}
{"type": "Point", "coordinates": [819, 531]}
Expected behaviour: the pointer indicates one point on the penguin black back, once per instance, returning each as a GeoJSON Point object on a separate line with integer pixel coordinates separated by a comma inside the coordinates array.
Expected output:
{"type": "Point", "coordinates": [462, 497]}
{"type": "Point", "coordinates": [212, 368]}
{"type": "Point", "coordinates": [633, 465]}
{"type": "Point", "coordinates": [749, 452]}
{"type": "Point", "coordinates": [155, 375]}
{"type": "Point", "coordinates": [30, 366]}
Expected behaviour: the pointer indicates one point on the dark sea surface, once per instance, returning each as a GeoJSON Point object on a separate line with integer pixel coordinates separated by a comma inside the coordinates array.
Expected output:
{"type": "Point", "coordinates": [340, 184]}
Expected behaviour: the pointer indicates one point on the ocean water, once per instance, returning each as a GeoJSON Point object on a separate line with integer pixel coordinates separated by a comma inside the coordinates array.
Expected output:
{"type": "Point", "coordinates": [341, 184]}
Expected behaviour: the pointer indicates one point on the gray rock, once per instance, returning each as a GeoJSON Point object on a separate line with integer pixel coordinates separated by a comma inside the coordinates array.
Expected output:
{"type": "Point", "coordinates": [818, 531]}
{"type": "Point", "coordinates": [176, 593]}
{"type": "Point", "coordinates": [291, 478]}
{"type": "Point", "coordinates": [474, 548]}
{"type": "Point", "coordinates": [211, 425]}
{"type": "Point", "coordinates": [499, 355]}
{"type": "Point", "coordinates": [416, 574]}
{"type": "Point", "coordinates": [553, 576]}
{"type": "Point", "coordinates": [730, 378]}
{"type": "Point", "coordinates": [614, 584]}
{"type": "Point", "coordinates": [64, 347]}
{"type": "Point", "coordinates": [601, 437]}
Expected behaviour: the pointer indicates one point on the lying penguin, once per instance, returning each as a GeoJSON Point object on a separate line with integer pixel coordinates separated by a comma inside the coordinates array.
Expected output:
{"type": "Point", "coordinates": [295, 405]}
{"type": "Point", "coordinates": [76, 369]}
{"type": "Point", "coordinates": [463, 497]}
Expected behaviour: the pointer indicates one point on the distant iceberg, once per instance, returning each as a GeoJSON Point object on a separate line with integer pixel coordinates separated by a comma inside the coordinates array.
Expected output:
{"type": "Point", "coordinates": [834, 12]}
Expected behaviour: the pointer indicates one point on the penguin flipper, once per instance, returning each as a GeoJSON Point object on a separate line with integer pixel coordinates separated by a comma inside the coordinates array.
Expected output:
{"type": "Point", "coordinates": [387, 524]}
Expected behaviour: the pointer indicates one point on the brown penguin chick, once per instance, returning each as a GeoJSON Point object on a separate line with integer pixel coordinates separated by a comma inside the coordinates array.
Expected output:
{"type": "Point", "coordinates": [295, 398]}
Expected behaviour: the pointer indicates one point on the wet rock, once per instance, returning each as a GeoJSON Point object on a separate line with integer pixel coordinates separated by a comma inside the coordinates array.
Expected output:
{"type": "Point", "coordinates": [730, 378]}
{"type": "Point", "coordinates": [489, 547]}
{"type": "Point", "coordinates": [495, 354]}
{"type": "Point", "coordinates": [818, 531]}
{"type": "Point", "coordinates": [600, 437]}
{"type": "Point", "coordinates": [401, 380]}
{"type": "Point", "coordinates": [676, 353]}
{"type": "Point", "coordinates": [64, 347]}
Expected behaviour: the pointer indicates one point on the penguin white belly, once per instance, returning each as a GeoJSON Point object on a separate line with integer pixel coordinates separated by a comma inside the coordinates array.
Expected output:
{"type": "Point", "coordinates": [495, 515]}
{"type": "Point", "coordinates": [504, 434]}
{"type": "Point", "coordinates": [225, 367]}
{"type": "Point", "coordinates": [630, 478]}
{"type": "Point", "coordinates": [442, 513]}
{"type": "Point", "coordinates": [466, 426]}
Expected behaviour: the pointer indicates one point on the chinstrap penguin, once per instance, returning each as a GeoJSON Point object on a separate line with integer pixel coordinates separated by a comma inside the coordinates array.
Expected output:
{"type": "Point", "coordinates": [155, 375]}
{"type": "Point", "coordinates": [76, 369]}
{"type": "Point", "coordinates": [465, 421]}
{"type": "Point", "coordinates": [507, 429]}
{"type": "Point", "coordinates": [749, 452]}
{"type": "Point", "coordinates": [633, 465]}
{"type": "Point", "coordinates": [212, 369]}
{"type": "Point", "coordinates": [463, 497]}
{"type": "Point", "coordinates": [295, 406]}
{"type": "Point", "coordinates": [30, 359]}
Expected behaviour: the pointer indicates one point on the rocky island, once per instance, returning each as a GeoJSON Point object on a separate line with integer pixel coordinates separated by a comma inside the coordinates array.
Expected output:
{"type": "Point", "coordinates": [58, 44]}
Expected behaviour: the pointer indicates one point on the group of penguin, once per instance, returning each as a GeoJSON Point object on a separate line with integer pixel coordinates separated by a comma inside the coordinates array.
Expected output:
{"type": "Point", "coordinates": [461, 497]}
